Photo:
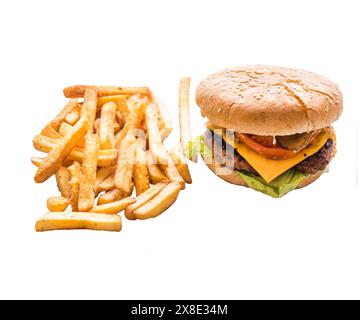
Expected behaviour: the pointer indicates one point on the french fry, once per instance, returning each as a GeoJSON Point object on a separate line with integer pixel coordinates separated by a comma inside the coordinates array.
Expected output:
{"type": "Point", "coordinates": [106, 130]}
{"type": "Point", "coordinates": [184, 116]}
{"type": "Point", "coordinates": [49, 131]}
{"type": "Point", "coordinates": [112, 196]}
{"type": "Point", "coordinates": [155, 173]}
{"type": "Point", "coordinates": [89, 107]}
{"type": "Point", "coordinates": [36, 161]}
{"type": "Point", "coordinates": [63, 178]}
{"type": "Point", "coordinates": [106, 158]}
{"type": "Point", "coordinates": [165, 122]}
{"type": "Point", "coordinates": [55, 123]}
{"type": "Point", "coordinates": [78, 91]}
{"type": "Point", "coordinates": [116, 127]}
{"type": "Point", "coordinates": [125, 164]}
{"type": "Point", "coordinates": [177, 156]}
{"type": "Point", "coordinates": [103, 173]}
{"type": "Point", "coordinates": [140, 174]}
{"type": "Point", "coordinates": [163, 200]}
{"type": "Point", "coordinates": [57, 204]}
{"type": "Point", "coordinates": [74, 170]}
{"type": "Point", "coordinates": [53, 160]}
{"type": "Point", "coordinates": [88, 173]}
{"type": "Point", "coordinates": [143, 198]}
{"type": "Point", "coordinates": [78, 220]}
{"type": "Point", "coordinates": [114, 207]}
{"type": "Point", "coordinates": [65, 128]}
{"type": "Point", "coordinates": [120, 119]}
{"type": "Point", "coordinates": [73, 116]}
{"type": "Point", "coordinates": [157, 149]}
{"type": "Point", "coordinates": [105, 185]}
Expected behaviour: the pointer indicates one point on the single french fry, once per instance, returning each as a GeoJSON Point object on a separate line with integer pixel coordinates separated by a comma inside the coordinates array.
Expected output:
{"type": "Point", "coordinates": [140, 174]}
{"type": "Point", "coordinates": [73, 116]}
{"type": "Point", "coordinates": [53, 160]}
{"type": "Point", "coordinates": [120, 119]}
{"type": "Point", "coordinates": [65, 128]}
{"type": "Point", "coordinates": [165, 121]}
{"type": "Point", "coordinates": [163, 200]}
{"type": "Point", "coordinates": [116, 128]}
{"type": "Point", "coordinates": [184, 116]}
{"type": "Point", "coordinates": [155, 173]}
{"type": "Point", "coordinates": [49, 131]}
{"type": "Point", "coordinates": [57, 204]}
{"type": "Point", "coordinates": [105, 185]}
{"type": "Point", "coordinates": [125, 164]}
{"type": "Point", "coordinates": [106, 158]}
{"type": "Point", "coordinates": [89, 107]}
{"type": "Point", "coordinates": [157, 149]}
{"type": "Point", "coordinates": [103, 173]}
{"type": "Point", "coordinates": [74, 170]}
{"type": "Point", "coordinates": [114, 207]}
{"type": "Point", "coordinates": [106, 130]}
{"type": "Point", "coordinates": [112, 196]}
{"type": "Point", "coordinates": [88, 173]}
{"type": "Point", "coordinates": [78, 220]}
{"type": "Point", "coordinates": [36, 161]}
{"type": "Point", "coordinates": [55, 123]}
{"type": "Point", "coordinates": [120, 101]}
{"type": "Point", "coordinates": [78, 91]}
{"type": "Point", "coordinates": [178, 158]}
{"type": "Point", "coordinates": [143, 198]}
{"type": "Point", "coordinates": [63, 178]}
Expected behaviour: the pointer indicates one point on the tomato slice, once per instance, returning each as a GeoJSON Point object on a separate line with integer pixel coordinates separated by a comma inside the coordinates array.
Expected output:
{"type": "Point", "coordinates": [274, 152]}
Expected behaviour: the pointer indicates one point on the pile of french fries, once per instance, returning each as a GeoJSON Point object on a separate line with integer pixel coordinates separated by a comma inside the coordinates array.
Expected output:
{"type": "Point", "coordinates": [105, 145]}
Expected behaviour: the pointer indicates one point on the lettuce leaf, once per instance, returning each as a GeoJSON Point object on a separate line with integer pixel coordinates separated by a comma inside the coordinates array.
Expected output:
{"type": "Point", "coordinates": [280, 186]}
{"type": "Point", "coordinates": [197, 146]}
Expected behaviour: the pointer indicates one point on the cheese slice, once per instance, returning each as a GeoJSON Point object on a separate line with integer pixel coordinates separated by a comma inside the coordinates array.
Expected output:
{"type": "Point", "coordinates": [269, 169]}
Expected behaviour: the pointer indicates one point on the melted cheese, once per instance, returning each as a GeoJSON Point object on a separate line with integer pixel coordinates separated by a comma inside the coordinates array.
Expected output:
{"type": "Point", "coordinates": [269, 169]}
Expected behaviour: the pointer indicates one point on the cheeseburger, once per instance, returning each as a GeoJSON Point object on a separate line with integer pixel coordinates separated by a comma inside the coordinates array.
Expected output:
{"type": "Point", "coordinates": [269, 128]}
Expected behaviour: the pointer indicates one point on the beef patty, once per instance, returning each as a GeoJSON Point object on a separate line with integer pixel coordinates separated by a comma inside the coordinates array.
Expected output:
{"type": "Point", "coordinates": [316, 162]}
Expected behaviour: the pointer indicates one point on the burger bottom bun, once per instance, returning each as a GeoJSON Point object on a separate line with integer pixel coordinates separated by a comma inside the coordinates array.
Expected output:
{"type": "Point", "coordinates": [234, 178]}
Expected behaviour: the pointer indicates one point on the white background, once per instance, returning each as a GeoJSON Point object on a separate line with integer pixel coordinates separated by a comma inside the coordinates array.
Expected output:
{"type": "Point", "coordinates": [218, 240]}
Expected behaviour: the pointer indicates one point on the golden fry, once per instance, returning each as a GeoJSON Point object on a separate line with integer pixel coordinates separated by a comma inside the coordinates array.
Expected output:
{"type": "Point", "coordinates": [140, 174]}
{"type": "Point", "coordinates": [49, 131]}
{"type": "Point", "coordinates": [112, 196]}
{"type": "Point", "coordinates": [106, 130]}
{"type": "Point", "coordinates": [103, 173]}
{"type": "Point", "coordinates": [78, 91]}
{"type": "Point", "coordinates": [143, 198]}
{"type": "Point", "coordinates": [125, 164]}
{"type": "Point", "coordinates": [89, 107]}
{"type": "Point", "coordinates": [165, 122]}
{"type": "Point", "coordinates": [53, 160]}
{"type": "Point", "coordinates": [114, 207]}
{"type": "Point", "coordinates": [163, 200]}
{"type": "Point", "coordinates": [180, 163]}
{"type": "Point", "coordinates": [74, 170]}
{"type": "Point", "coordinates": [184, 117]}
{"type": "Point", "coordinates": [78, 220]}
{"type": "Point", "coordinates": [73, 116]}
{"type": "Point", "coordinates": [88, 173]}
{"type": "Point", "coordinates": [63, 177]}
{"type": "Point", "coordinates": [57, 204]}
{"type": "Point", "coordinates": [105, 185]}
{"type": "Point", "coordinates": [65, 128]}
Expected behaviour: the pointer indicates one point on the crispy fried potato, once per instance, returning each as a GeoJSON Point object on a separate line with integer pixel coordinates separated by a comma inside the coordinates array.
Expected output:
{"type": "Point", "coordinates": [63, 177]}
{"type": "Point", "coordinates": [165, 122]}
{"type": "Point", "coordinates": [114, 207]}
{"type": "Point", "coordinates": [78, 91]}
{"type": "Point", "coordinates": [55, 123]}
{"type": "Point", "coordinates": [49, 131]}
{"type": "Point", "coordinates": [140, 174]}
{"type": "Point", "coordinates": [125, 164]}
{"type": "Point", "coordinates": [120, 119]}
{"type": "Point", "coordinates": [157, 149]}
{"type": "Point", "coordinates": [74, 170]}
{"type": "Point", "coordinates": [88, 173]}
{"type": "Point", "coordinates": [53, 160]}
{"type": "Point", "coordinates": [103, 173]}
{"type": "Point", "coordinates": [112, 196]}
{"type": "Point", "coordinates": [106, 128]}
{"type": "Point", "coordinates": [180, 163]}
{"type": "Point", "coordinates": [65, 128]}
{"type": "Point", "coordinates": [163, 200]}
{"type": "Point", "coordinates": [36, 161]}
{"type": "Point", "coordinates": [73, 116]}
{"type": "Point", "coordinates": [155, 173]}
{"type": "Point", "coordinates": [105, 185]}
{"type": "Point", "coordinates": [143, 198]}
{"type": "Point", "coordinates": [89, 107]}
{"type": "Point", "coordinates": [57, 204]}
{"type": "Point", "coordinates": [184, 116]}
{"type": "Point", "coordinates": [78, 220]}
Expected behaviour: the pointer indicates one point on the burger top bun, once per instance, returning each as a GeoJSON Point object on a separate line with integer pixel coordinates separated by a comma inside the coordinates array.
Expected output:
{"type": "Point", "coordinates": [268, 100]}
